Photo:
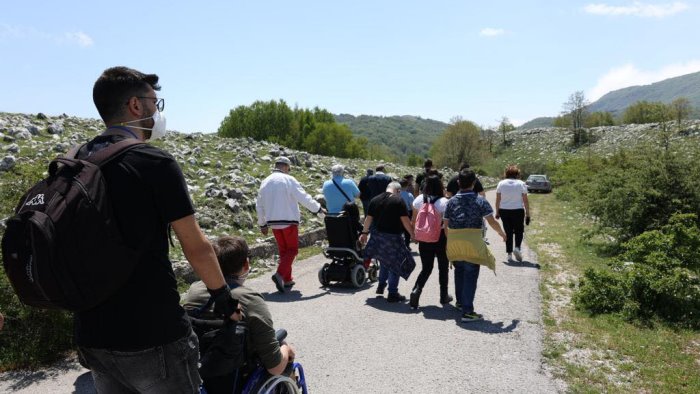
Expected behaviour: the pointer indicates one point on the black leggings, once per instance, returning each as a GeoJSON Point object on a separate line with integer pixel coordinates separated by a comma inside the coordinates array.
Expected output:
{"type": "Point", "coordinates": [513, 225]}
{"type": "Point", "coordinates": [428, 251]}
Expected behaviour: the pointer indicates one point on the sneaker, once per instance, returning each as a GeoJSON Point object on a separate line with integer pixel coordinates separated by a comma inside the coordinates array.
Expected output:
{"type": "Point", "coordinates": [279, 282]}
{"type": "Point", "coordinates": [510, 257]}
{"type": "Point", "coordinates": [395, 297]}
{"type": "Point", "coordinates": [446, 299]}
{"type": "Point", "coordinates": [518, 255]}
{"type": "Point", "coordinates": [470, 317]}
{"type": "Point", "coordinates": [290, 283]}
{"type": "Point", "coordinates": [458, 305]}
{"type": "Point", "coordinates": [380, 288]}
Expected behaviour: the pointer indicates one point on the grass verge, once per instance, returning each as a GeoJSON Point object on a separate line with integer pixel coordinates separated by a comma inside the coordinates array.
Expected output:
{"type": "Point", "coordinates": [600, 353]}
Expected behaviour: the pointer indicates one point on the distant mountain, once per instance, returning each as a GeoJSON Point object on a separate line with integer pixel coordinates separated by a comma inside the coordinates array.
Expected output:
{"type": "Point", "coordinates": [665, 91]}
{"type": "Point", "coordinates": [544, 121]}
{"type": "Point", "coordinates": [399, 135]}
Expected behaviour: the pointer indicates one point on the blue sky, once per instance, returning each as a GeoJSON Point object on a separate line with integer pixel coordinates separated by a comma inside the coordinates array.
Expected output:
{"type": "Point", "coordinates": [436, 59]}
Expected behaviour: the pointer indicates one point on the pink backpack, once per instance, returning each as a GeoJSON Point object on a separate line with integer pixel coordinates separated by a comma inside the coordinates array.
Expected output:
{"type": "Point", "coordinates": [428, 223]}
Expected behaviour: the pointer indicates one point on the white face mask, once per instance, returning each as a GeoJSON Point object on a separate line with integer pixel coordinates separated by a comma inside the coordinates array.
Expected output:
{"type": "Point", "coordinates": [158, 129]}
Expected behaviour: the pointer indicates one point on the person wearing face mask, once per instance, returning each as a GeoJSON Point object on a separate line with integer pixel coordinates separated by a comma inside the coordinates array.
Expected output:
{"type": "Point", "coordinates": [234, 259]}
{"type": "Point", "coordinates": [139, 339]}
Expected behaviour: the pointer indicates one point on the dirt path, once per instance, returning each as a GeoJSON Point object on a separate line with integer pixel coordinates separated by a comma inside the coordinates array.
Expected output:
{"type": "Point", "coordinates": [353, 341]}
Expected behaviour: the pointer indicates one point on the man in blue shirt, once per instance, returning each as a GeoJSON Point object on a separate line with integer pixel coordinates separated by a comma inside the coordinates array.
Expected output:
{"type": "Point", "coordinates": [339, 190]}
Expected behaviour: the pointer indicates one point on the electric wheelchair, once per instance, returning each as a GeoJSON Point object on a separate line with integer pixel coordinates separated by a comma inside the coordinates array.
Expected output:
{"type": "Point", "coordinates": [347, 264]}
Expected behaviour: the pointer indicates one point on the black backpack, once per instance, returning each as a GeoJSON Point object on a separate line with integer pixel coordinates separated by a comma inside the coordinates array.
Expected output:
{"type": "Point", "coordinates": [63, 248]}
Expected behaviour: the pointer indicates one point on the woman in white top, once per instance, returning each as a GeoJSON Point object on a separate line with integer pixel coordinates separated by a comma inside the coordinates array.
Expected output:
{"type": "Point", "coordinates": [513, 209]}
{"type": "Point", "coordinates": [434, 193]}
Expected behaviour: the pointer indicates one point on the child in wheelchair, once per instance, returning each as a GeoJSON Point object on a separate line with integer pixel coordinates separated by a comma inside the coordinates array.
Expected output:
{"type": "Point", "coordinates": [225, 344]}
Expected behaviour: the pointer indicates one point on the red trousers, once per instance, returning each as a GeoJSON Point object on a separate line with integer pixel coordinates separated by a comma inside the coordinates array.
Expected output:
{"type": "Point", "coordinates": [288, 245]}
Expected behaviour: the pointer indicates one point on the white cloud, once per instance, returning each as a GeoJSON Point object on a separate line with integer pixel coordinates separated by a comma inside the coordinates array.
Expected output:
{"type": "Point", "coordinates": [637, 9]}
{"type": "Point", "coordinates": [79, 38]}
{"type": "Point", "coordinates": [491, 32]}
{"type": "Point", "coordinates": [629, 75]}
{"type": "Point", "coordinates": [10, 32]}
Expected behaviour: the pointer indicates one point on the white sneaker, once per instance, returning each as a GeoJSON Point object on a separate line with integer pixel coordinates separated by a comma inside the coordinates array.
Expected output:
{"type": "Point", "coordinates": [510, 257]}
{"type": "Point", "coordinates": [518, 255]}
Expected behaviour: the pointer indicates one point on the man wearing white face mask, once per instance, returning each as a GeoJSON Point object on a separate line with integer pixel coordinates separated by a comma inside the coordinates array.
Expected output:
{"type": "Point", "coordinates": [139, 339]}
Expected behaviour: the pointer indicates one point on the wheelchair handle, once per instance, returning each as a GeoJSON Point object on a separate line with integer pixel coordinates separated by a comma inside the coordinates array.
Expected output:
{"type": "Point", "coordinates": [280, 335]}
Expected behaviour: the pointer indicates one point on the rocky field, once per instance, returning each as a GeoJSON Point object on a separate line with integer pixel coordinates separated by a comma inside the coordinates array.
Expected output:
{"type": "Point", "coordinates": [544, 144]}
{"type": "Point", "coordinates": [223, 175]}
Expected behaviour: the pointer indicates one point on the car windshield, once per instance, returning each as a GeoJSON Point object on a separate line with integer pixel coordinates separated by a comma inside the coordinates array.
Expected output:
{"type": "Point", "coordinates": [537, 178]}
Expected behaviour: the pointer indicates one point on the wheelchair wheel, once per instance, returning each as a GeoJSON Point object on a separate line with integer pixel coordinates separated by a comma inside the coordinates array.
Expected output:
{"type": "Point", "coordinates": [323, 275]}
{"type": "Point", "coordinates": [358, 275]}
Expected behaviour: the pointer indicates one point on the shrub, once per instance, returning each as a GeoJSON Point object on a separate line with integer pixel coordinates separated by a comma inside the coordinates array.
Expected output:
{"type": "Point", "coordinates": [31, 336]}
{"type": "Point", "coordinates": [655, 276]}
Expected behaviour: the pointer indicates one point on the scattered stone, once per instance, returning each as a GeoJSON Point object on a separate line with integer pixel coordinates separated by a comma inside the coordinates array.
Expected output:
{"type": "Point", "coordinates": [55, 128]}
{"type": "Point", "coordinates": [13, 148]}
{"type": "Point", "coordinates": [7, 163]}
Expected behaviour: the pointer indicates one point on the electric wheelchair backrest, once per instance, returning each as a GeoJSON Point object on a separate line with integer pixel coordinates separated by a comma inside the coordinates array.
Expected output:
{"type": "Point", "coordinates": [339, 230]}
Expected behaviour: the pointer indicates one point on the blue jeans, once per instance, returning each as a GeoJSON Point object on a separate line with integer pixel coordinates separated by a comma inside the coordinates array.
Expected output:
{"type": "Point", "coordinates": [466, 276]}
{"type": "Point", "coordinates": [170, 368]}
{"type": "Point", "coordinates": [387, 275]}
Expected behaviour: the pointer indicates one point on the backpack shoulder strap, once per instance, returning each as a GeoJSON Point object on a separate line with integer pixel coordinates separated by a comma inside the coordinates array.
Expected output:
{"type": "Point", "coordinates": [105, 155]}
{"type": "Point", "coordinates": [341, 190]}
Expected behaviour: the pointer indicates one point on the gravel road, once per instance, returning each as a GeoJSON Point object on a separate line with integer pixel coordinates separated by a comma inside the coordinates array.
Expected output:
{"type": "Point", "coordinates": [352, 341]}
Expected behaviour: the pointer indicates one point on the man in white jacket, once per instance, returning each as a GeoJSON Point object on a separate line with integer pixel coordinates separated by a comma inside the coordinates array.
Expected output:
{"type": "Point", "coordinates": [278, 207]}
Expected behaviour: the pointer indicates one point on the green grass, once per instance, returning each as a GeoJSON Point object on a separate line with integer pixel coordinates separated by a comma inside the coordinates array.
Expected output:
{"type": "Point", "coordinates": [600, 353]}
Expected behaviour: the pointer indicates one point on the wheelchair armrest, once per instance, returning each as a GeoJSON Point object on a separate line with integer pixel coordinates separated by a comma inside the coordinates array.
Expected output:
{"type": "Point", "coordinates": [281, 334]}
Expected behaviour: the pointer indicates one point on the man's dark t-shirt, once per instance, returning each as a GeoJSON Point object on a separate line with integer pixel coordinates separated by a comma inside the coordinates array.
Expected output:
{"type": "Point", "coordinates": [148, 191]}
{"type": "Point", "coordinates": [453, 186]}
{"type": "Point", "coordinates": [377, 184]}
{"type": "Point", "coordinates": [364, 189]}
{"type": "Point", "coordinates": [386, 210]}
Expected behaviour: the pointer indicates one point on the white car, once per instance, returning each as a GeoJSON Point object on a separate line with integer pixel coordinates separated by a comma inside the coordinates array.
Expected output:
{"type": "Point", "coordinates": [538, 183]}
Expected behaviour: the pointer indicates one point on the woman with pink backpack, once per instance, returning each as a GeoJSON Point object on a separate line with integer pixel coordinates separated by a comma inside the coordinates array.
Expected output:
{"type": "Point", "coordinates": [428, 209]}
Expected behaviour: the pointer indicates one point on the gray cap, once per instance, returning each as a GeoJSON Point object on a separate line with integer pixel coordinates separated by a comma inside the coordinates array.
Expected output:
{"type": "Point", "coordinates": [283, 160]}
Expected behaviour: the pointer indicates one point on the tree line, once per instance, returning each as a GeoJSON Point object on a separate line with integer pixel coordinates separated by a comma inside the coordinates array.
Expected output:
{"type": "Point", "coordinates": [313, 130]}
{"type": "Point", "coordinates": [576, 115]}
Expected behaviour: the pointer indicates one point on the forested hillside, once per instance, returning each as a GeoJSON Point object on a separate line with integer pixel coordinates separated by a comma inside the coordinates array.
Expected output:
{"type": "Point", "coordinates": [399, 136]}
{"type": "Point", "coordinates": [664, 91]}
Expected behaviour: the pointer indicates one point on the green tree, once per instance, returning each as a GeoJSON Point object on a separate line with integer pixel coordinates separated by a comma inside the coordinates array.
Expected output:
{"type": "Point", "coordinates": [460, 142]}
{"type": "Point", "coordinates": [576, 107]}
{"type": "Point", "coordinates": [645, 112]}
{"type": "Point", "coordinates": [505, 126]}
{"type": "Point", "coordinates": [681, 109]}
{"type": "Point", "coordinates": [562, 121]}
{"type": "Point", "coordinates": [600, 118]}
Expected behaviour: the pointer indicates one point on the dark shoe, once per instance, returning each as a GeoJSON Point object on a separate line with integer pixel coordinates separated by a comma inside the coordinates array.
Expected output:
{"type": "Point", "coordinates": [279, 282]}
{"type": "Point", "coordinates": [458, 305]}
{"type": "Point", "coordinates": [290, 283]}
{"type": "Point", "coordinates": [415, 296]}
{"type": "Point", "coordinates": [470, 317]}
{"type": "Point", "coordinates": [446, 299]}
{"type": "Point", "coordinates": [395, 297]}
{"type": "Point", "coordinates": [380, 289]}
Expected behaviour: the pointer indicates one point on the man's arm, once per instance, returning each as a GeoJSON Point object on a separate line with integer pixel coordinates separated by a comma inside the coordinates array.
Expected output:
{"type": "Point", "coordinates": [365, 229]}
{"type": "Point", "coordinates": [260, 209]}
{"type": "Point", "coordinates": [526, 204]}
{"type": "Point", "coordinates": [304, 198]}
{"type": "Point", "coordinates": [407, 225]}
{"type": "Point", "coordinates": [198, 251]}
{"type": "Point", "coordinates": [202, 258]}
